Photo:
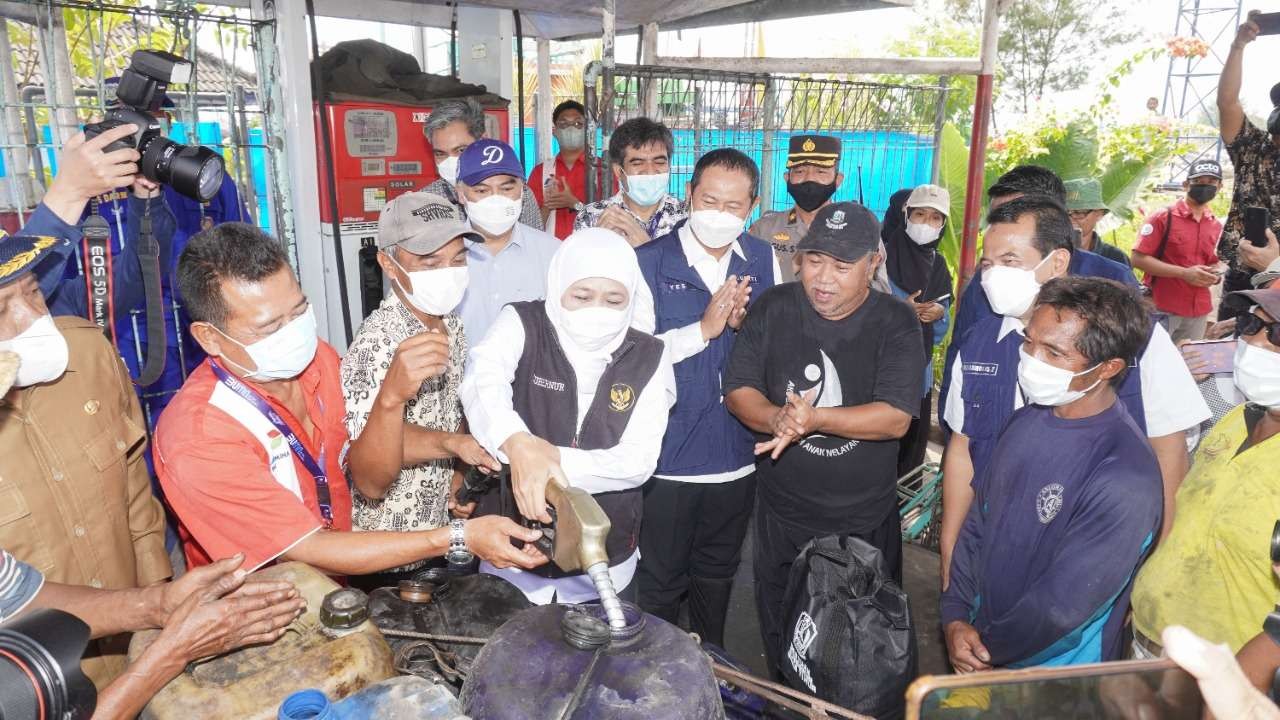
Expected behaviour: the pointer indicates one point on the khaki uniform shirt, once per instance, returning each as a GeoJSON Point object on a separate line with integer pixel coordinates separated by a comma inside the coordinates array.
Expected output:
{"type": "Point", "coordinates": [75, 496]}
{"type": "Point", "coordinates": [784, 230]}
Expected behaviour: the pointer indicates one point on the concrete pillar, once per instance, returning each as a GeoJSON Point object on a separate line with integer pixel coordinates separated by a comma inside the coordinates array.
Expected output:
{"type": "Point", "coordinates": [292, 121]}
{"type": "Point", "coordinates": [485, 49]}
{"type": "Point", "coordinates": [546, 103]}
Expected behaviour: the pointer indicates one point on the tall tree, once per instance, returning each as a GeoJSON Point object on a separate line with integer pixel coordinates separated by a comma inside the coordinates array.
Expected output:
{"type": "Point", "coordinates": [1051, 45]}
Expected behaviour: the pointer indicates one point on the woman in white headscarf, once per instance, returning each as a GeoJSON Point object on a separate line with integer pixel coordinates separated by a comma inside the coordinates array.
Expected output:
{"type": "Point", "coordinates": [568, 386]}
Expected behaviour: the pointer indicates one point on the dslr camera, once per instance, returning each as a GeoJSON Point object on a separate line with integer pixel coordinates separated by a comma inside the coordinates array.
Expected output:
{"type": "Point", "coordinates": [192, 170]}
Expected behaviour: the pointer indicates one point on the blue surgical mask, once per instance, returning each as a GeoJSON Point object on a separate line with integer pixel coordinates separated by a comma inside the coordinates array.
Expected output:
{"type": "Point", "coordinates": [647, 190]}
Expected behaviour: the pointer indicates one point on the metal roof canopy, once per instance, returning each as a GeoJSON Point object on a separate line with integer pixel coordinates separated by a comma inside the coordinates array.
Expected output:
{"type": "Point", "coordinates": [578, 19]}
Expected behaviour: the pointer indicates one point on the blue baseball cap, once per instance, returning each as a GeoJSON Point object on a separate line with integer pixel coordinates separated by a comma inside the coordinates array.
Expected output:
{"type": "Point", "coordinates": [485, 158]}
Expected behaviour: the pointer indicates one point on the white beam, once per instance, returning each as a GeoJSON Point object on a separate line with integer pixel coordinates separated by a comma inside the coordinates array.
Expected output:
{"type": "Point", "coordinates": [291, 61]}
{"type": "Point", "coordinates": [545, 103]}
{"type": "Point", "coordinates": [850, 66]}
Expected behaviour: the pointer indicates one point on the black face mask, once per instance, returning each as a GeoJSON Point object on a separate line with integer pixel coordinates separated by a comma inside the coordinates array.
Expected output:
{"type": "Point", "coordinates": [1202, 194]}
{"type": "Point", "coordinates": [810, 195]}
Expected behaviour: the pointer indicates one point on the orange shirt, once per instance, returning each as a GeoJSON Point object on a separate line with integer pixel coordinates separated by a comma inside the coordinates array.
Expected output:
{"type": "Point", "coordinates": [217, 476]}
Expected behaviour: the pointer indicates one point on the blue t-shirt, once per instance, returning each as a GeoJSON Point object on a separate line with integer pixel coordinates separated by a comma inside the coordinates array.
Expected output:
{"type": "Point", "coordinates": [1065, 513]}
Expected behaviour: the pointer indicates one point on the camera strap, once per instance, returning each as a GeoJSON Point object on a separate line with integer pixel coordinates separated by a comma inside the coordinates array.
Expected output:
{"type": "Point", "coordinates": [149, 259]}
{"type": "Point", "coordinates": [235, 385]}
{"type": "Point", "coordinates": [96, 253]}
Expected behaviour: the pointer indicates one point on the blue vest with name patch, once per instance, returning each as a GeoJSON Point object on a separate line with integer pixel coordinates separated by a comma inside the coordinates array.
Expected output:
{"type": "Point", "coordinates": [702, 437]}
{"type": "Point", "coordinates": [990, 370]}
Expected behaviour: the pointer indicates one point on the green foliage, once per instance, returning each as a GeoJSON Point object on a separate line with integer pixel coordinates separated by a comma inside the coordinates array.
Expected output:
{"type": "Point", "coordinates": [1050, 45]}
{"type": "Point", "coordinates": [941, 37]}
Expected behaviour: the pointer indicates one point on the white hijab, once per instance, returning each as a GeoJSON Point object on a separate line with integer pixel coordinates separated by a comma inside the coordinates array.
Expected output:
{"type": "Point", "coordinates": [588, 253]}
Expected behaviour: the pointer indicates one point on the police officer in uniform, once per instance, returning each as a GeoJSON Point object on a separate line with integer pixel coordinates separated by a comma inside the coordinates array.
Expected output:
{"type": "Point", "coordinates": [813, 176]}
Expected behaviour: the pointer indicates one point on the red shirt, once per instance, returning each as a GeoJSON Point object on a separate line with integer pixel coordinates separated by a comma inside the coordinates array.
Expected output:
{"type": "Point", "coordinates": [576, 177]}
{"type": "Point", "coordinates": [1191, 242]}
{"type": "Point", "coordinates": [217, 477]}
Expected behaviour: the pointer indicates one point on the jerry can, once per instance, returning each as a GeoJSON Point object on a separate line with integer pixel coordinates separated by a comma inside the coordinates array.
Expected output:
{"type": "Point", "coordinates": [332, 646]}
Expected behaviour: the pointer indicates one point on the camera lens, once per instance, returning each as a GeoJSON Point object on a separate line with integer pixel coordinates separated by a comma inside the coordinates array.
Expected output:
{"type": "Point", "coordinates": [192, 170]}
{"type": "Point", "coordinates": [40, 674]}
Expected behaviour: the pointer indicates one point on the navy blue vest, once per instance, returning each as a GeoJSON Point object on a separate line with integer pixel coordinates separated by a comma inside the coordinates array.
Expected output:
{"type": "Point", "coordinates": [702, 437]}
{"type": "Point", "coordinates": [991, 378]}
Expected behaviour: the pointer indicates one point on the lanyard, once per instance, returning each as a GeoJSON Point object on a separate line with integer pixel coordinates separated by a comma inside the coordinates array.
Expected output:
{"type": "Point", "coordinates": [299, 450]}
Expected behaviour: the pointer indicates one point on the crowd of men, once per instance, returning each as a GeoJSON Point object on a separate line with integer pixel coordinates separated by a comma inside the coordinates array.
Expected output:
{"type": "Point", "coordinates": [698, 377]}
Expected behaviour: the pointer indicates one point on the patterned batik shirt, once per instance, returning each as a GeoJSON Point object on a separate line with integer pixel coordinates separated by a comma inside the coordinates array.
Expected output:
{"type": "Point", "coordinates": [418, 499]}
{"type": "Point", "coordinates": [669, 213]}
{"type": "Point", "coordinates": [1256, 160]}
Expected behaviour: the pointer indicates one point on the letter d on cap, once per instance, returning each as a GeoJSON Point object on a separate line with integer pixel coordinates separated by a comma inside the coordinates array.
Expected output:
{"type": "Point", "coordinates": [492, 155]}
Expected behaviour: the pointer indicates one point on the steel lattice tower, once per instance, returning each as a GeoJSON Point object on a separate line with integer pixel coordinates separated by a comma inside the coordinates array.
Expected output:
{"type": "Point", "coordinates": [1191, 86]}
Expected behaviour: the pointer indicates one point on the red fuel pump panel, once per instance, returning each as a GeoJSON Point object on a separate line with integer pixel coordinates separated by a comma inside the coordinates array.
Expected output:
{"type": "Point", "coordinates": [379, 152]}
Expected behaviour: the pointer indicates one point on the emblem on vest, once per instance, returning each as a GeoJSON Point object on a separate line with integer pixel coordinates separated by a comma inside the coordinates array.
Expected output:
{"type": "Point", "coordinates": [1049, 502]}
{"type": "Point", "coordinates": [981, 368]}
{"type": "Point", "coordinates": [279, 449]}
{"type": "Point", "coordinates": [548, 384]}
{"type": "Point", "coordinates": [621, 397]}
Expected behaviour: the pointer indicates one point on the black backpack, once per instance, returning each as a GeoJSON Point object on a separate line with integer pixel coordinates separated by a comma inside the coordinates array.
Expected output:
{"type": "Point", "coordinates": [848, 637]}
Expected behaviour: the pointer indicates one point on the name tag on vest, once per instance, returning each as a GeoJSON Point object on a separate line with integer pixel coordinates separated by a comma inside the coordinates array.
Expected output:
{"type": "Point", "coordinates": [977, 368]}
{"type": "Point", "coordinates": [539, 381]}
{"type": "Point", "coordinates": [676, 286]}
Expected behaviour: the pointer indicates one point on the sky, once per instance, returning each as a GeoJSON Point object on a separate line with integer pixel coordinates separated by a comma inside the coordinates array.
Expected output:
{"type": "Point", "coordinates": [867, 33]}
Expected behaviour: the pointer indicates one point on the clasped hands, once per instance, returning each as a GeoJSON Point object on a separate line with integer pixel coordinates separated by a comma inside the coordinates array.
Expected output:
{"type": "Point", "coordinates": [794, 420]}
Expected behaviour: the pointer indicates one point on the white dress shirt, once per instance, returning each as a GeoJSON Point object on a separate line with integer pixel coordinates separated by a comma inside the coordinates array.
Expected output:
{"type": "Point", "coordinates": [487, 399]}
{"type": "Point", "coordinates": [1170, 399]}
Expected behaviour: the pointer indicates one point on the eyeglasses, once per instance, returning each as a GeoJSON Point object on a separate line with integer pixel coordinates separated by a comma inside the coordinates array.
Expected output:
{"type": "Point", "coordinates": [1250, 325]}
{"type": "Point", "coordinates": [565, 125]}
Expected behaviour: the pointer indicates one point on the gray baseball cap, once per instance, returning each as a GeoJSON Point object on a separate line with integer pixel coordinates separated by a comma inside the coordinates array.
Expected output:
{"type": "Point", "coordinates": [422, 223]}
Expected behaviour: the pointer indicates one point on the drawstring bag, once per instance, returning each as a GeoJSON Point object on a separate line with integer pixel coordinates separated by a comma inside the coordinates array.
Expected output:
{"type": "Point", "coordinates": [848, 637]}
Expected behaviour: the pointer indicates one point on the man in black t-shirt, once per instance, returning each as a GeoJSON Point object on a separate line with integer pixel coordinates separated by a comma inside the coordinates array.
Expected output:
{"type": "Point", "coordinates": [827, 371]}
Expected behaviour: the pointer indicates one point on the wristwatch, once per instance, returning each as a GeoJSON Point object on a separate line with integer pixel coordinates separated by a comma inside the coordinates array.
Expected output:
{"type": "Point", "coordinates": [458, 553]}
{"type": "Point", "coordinates": [578, 206]}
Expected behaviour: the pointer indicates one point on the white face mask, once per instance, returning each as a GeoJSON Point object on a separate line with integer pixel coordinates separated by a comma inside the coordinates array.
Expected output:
{"type": "Point", "coordinates": [1011, 290]}
{"type": "Point", "coordinates": [41, 350]}
{"type": "Point", "coordinates": [284, 353]}
{"type": "Point", "coordinates": [646, 190]}
{"type": "Point", "coordinates": [571, 138]}
{"type": "Point", "coordinates": [1044, 384]}
{"type": "Point", "coordinates": [1256, 374]}
{"type": "Point", "coordinates": [922, 233]}
{"type": "Point", "coordinates": [436, 291]}
{"type": "Point", "coordinates": [592, 328]}
{"type": "Point", "coordinates": [715, 228]}
{"type": "Point", "coordinates": [495, 214]}
{"type": "Point", "coordinates": [448, 169]}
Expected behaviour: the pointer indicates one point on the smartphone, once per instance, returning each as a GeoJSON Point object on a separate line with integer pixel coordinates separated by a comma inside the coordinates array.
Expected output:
{"type": "Point", "coordinates": [1156, 689]}
{"type": "Point", "coordinates": [1256, 222]}
{"type": "Point", "coordinates": [1268, 23]}
{"type": "Point", "coordinates": [1220, 354]}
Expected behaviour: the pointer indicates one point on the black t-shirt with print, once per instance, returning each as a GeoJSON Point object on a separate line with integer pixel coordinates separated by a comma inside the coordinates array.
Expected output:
{"type": "Point", "coordinates": [827, 483]}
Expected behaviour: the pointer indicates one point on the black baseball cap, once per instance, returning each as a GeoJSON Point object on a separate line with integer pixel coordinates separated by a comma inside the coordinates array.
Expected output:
{"type": "Point", "coordinates": [1205, 168]}
{"type": "Point", "coordinates": [846, 231]}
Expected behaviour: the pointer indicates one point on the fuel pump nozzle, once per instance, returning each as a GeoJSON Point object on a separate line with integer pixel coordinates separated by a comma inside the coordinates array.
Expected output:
{"type": "Point", "coordinates": [575, 540]}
